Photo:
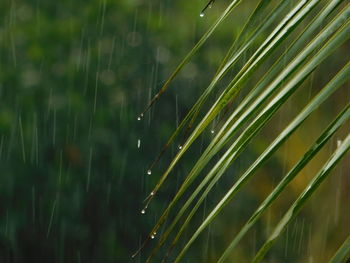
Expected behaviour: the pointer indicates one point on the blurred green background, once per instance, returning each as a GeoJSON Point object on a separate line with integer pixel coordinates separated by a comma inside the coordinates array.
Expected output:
{"type": "Point", "coordinates": [74, 76]}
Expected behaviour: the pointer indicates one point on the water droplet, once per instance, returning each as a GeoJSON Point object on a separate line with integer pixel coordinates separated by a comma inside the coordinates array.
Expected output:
{"type": "Point", "coordinates": [152, 194]}
{"type": "Point", "coordinates": [153, 235]}
{"type": "Point", "coordinates": [149, 172]}
{"type": "Point", "coordinates": [138, 143]}
{"type": "Point", "coordinates": [143, 211]}
{"type": "Point", "coordinates": [180, 147]}
{"type": "Point", "coordinates": [212, 131]}
{"type": "Point", "coordinates": [201, 14]}
{"type": "Point", "coordinates": [140, 117]}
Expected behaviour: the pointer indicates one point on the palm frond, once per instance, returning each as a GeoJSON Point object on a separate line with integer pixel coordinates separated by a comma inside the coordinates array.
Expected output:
{"type": "Point", "coordinates": [342, 253]}
{"type": "Point", "coordinates": [300, 202]}
{"type": "Point", "coordinates": [322, 36]}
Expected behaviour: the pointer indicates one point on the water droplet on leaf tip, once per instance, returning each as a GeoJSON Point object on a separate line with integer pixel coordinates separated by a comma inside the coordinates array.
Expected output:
{"type": "Point", "coordinates": [143, 211]}
{"type": "Point", "coordinates": [149, 172]}
{"type": "Point", "coordinates": [201, 14]}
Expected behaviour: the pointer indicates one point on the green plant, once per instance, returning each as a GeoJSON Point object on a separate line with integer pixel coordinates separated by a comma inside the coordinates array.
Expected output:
{"type": "Point", "coordinates": [272, 32]}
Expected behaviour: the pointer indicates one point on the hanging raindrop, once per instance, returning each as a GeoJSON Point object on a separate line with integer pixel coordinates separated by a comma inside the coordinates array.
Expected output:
{"type": "Point", "coordinates": [153, 235]}
{"type": "Point", "coordinates": [138, 143]}
{"type": "Point", "coordinates": [201, 14]}
{"type": "Point", "coordinates": [212, 131]}
{"type": "Point", "coordinates": [140, 117]}
{"type": "Point", "coordinates": [180, 147]}
{"type": "Point", "coordinates": [143, 211]}
{"type": "Point", "coordinates": [149, 172]}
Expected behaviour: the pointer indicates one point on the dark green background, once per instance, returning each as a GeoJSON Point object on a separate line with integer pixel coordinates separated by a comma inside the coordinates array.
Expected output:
{"type": "Point", "coordinates": [74, 75]}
